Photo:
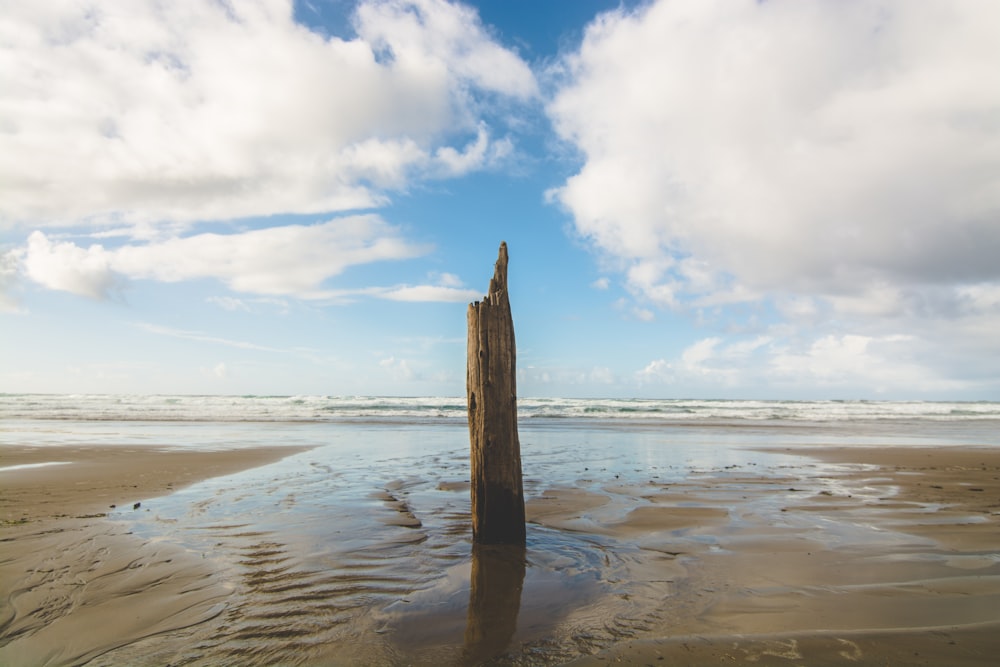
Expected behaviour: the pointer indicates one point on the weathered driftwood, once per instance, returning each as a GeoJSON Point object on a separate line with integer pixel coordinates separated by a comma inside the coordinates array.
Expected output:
{"type": "Point", "coordinates": [497, 491]}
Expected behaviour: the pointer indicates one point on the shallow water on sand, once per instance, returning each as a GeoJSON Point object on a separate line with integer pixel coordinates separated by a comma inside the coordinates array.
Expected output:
{"type": "Point", "coordinates": [360, 549]}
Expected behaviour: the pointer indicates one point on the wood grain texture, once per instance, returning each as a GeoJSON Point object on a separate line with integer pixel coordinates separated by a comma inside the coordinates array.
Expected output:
{"type": "Point", "coordinates": [497, 491]}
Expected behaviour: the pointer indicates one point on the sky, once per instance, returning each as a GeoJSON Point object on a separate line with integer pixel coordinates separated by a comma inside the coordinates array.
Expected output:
{"type": "Point", "coordinates": [777, 199]}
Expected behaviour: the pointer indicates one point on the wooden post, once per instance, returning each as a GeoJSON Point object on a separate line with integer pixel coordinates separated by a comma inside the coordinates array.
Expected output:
{"type": "Point", "coordinates": [497, 491]}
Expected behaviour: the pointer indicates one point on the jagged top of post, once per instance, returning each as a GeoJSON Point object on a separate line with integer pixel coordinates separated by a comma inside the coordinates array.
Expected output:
{"type": "Point", "coordinates": [498, 283]}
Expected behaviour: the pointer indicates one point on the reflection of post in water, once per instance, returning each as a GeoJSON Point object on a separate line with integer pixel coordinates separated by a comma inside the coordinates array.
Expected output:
{"type": "Point", "coordinates": [494, 600]}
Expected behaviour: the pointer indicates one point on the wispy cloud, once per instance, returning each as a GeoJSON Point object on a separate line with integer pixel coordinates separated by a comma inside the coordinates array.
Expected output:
{"type": "Point", "coordinates": [203, 337]}
{"type": "Point", "coordinates": [447, 289]}
{"type": "Point", "coordinates": [229, 303]}
{"type": "Point", "coordinates": [429, 293]}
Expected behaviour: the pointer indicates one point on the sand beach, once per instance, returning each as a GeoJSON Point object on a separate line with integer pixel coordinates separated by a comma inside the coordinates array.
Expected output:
{"type": "Point", "coordinates": [76, 584]}
{"type": "Point", "coordinates": [357, 551]}
{"type": "Point", "coordinates": [925, 591]}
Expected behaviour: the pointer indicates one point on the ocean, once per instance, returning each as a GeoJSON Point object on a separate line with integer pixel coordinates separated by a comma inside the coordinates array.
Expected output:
{"type": "Point", "coordinates": [85, 407]}
{"type": "Point", "coordinates": [668, 426]}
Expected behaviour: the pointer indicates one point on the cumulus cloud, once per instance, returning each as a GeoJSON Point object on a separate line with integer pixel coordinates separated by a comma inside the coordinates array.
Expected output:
{"type": "Point", "coordinates": [290, 260]}
{"type": "Point", "coordinates": [841, 359]}
{"type": "Point", "coordinates": [707, 361]}
{"type": "Point", "coordinates": [146, 112]}
{"type": "Point", "coordinates": [835, 164]}
{"type": "Point", "coordinates": [429, 34]}
{"type": "Point", "coordinates": [68, 267]}
{"type": "Point", "coordinates": [827, 365]}
{"type": "Point", "coordinates": [849, 150]}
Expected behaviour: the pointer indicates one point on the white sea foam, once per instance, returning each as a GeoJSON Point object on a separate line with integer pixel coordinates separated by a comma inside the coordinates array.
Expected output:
{"type": "Point", "coordinates": [93, 407]}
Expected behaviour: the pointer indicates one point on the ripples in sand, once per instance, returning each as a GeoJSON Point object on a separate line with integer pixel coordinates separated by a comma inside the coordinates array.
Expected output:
{"type": "Point", "coordinates": [363, 566]}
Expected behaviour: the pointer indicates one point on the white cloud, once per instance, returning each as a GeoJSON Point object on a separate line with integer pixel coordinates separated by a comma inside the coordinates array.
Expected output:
{"type": "Point", "coordinates": [427, 35]}
{"type": "Point", "coordinates": [788, 146]}
{"type": "Point", "coordinates": [449, 280]}
{"type": "Point", "coordinates": [449, 288]}
{"type": "Point", "coordinates": [290, 260]}
{"type": "Point", "coordinates": [145, 112]}
{"type": "Point", "coordinates": [9, 280]}
{"type": "Point", "coordinates": [400, 370]}
{"type": "Point", "coordinates": [68, 267]}
{"type": "Point", "coordinates": [700, 352]}
{"type": "Point", "coordinates": [430, 293]}
{"type": "Point", "coordinates": [632, 311]}
{"type": "Point", "coordinates": [294, 261]}
{"type": "Point", "coordinates": [823, 365]}
{"type": "Point", "coordinates": [454, 163]}
{"type": "Point", "coordinates": [837, 162]}
{"type": "Point", "coordinates": [853, 360]}
{"type": "Point", "coordinates": [276, 305]}
{"type": "Point", "coordinates": [656, 371]}
{"type": "Point", "coordinates": [643, 314]}
{"type": "Point", "coordinates": [708, 360]}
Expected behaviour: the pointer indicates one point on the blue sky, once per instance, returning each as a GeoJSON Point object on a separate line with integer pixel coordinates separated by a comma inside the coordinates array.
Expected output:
{"type": "Point", "coordinates": [702, 198]}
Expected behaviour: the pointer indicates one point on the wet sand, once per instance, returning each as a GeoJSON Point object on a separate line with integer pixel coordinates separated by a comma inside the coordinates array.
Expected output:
{"type": "Point", "coordinates": [74, 481]}
{"type": "Point", "coordinates": [75, 584]}
{"type": "Point", "coordinates": [895, 559]}
{"type": "Point", "coordinates": [841, 555]}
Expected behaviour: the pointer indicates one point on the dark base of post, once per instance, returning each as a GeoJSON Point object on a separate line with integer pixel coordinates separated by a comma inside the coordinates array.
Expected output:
{"type": "Point", "coordinates": [502, 520]}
